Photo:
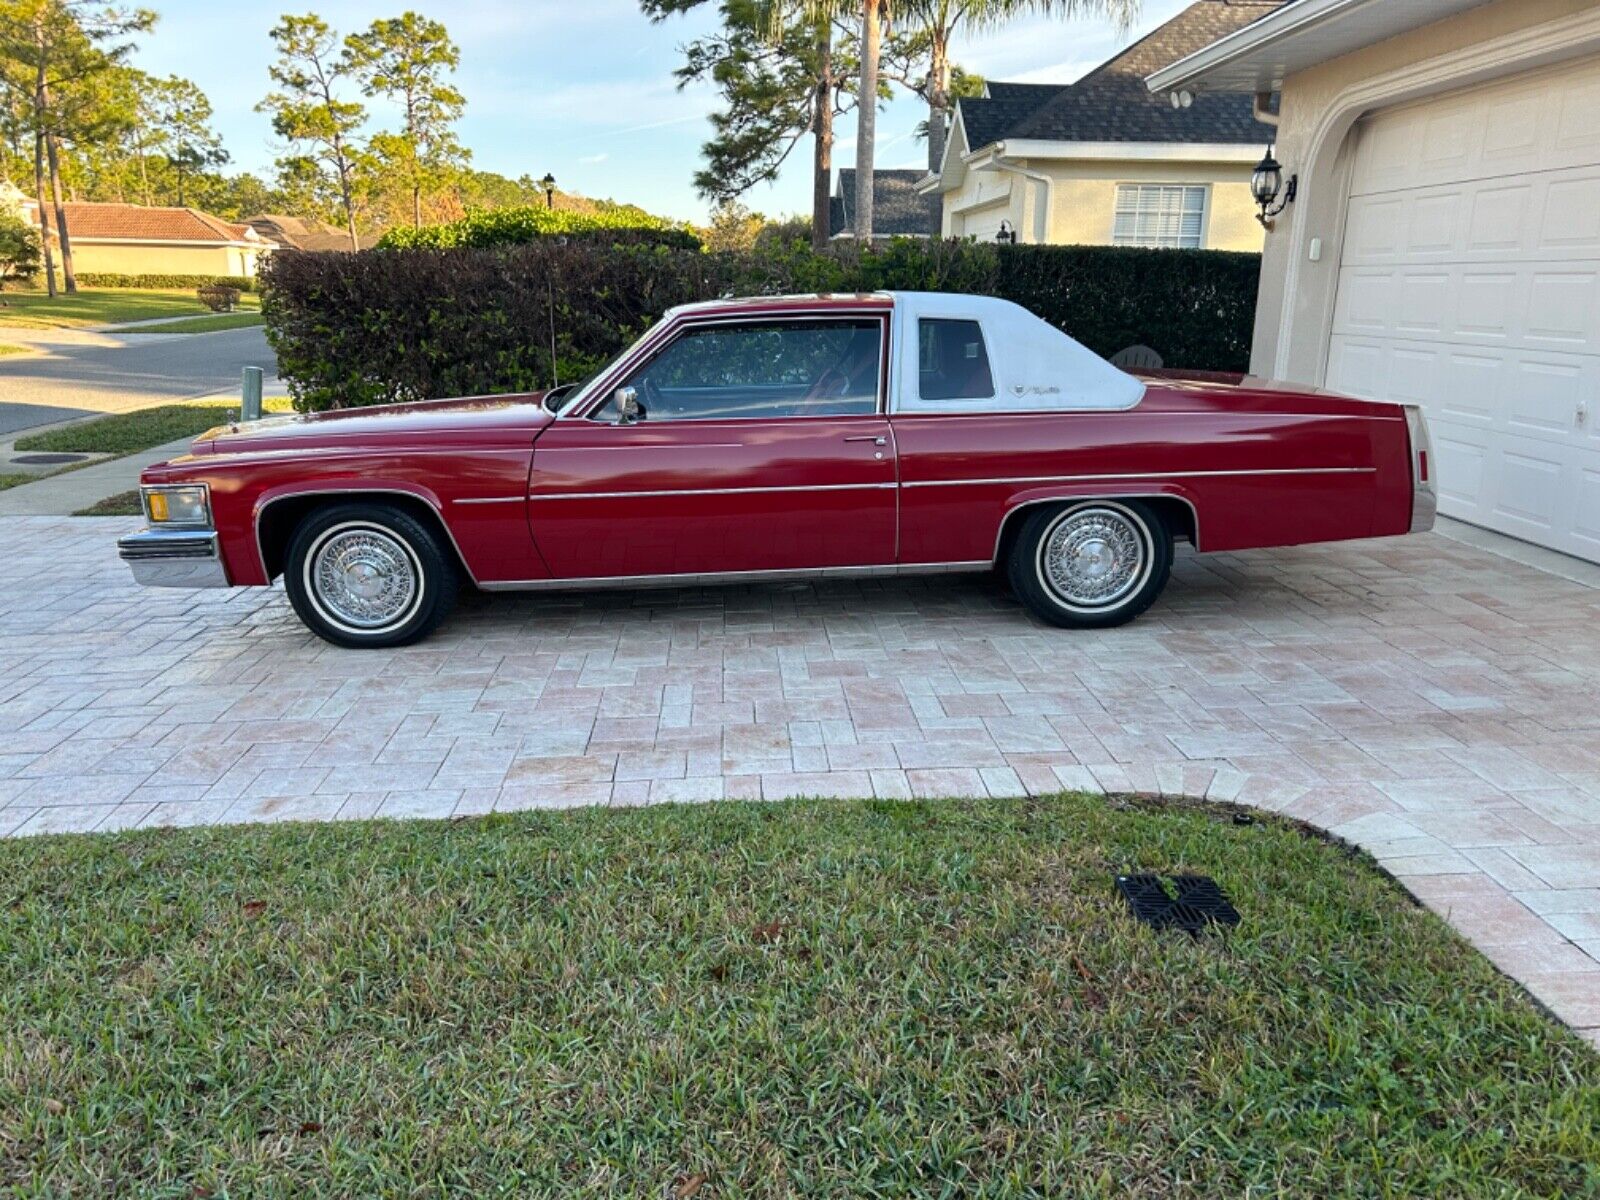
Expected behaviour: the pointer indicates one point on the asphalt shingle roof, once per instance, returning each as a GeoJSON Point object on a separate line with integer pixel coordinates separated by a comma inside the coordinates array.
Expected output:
{"type": "Point", "coordinates": [897, 210]}
{"type": "Point", "coordinates": [1112, 103]}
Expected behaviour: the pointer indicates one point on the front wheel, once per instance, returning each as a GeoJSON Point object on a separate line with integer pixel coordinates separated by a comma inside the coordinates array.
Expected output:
{"type": "Point", "coordinates": [369, 576]}
{"type": "Point", "coordinates": [1091, 564]}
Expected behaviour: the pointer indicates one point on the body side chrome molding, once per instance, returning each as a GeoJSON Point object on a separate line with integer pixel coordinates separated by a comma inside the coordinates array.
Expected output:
{"type": "Point", "coordinates": [1194, 513]}
{"type": "Point", "coordinates": [737, 491]}
{"type": "Point", "coordinates": [491, 500]}
{"type": "Point", "coordinates": [601, 582]}
{"type": "Point", "coordinates": [261, 510]}
{"type": "Point", "coordinates": [924, 483]}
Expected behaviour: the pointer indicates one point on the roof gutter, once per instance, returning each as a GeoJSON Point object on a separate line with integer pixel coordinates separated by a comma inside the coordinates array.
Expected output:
{"type": "Point", "coordinates": [1286, 22]}
{"type": "Point", "coordinates": [1041, 215]}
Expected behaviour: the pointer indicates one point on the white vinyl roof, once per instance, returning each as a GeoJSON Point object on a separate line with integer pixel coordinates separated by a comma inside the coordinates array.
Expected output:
{"type": "Point", "coordinates": [1301, 34]}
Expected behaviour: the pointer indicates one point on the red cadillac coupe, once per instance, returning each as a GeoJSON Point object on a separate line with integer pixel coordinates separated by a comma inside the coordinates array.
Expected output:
{"type": "Point", "coordinates": [811, 437]}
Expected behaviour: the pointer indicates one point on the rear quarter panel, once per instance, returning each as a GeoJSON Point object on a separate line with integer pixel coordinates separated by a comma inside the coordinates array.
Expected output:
{"type": "Point", "coordinates": [1258, 467]}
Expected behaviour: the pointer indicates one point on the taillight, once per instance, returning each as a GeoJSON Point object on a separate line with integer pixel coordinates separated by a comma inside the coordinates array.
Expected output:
{"type": "Point", "coordinates": [1422, 466]}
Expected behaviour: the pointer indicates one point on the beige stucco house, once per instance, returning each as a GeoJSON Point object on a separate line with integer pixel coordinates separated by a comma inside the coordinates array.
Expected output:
{"type": "Point", "coordinates": [130, 239]}
{"type": "Point", "coordinates": [1103, 161]}
{"type": "Point", "coordinates": [1444, 244]}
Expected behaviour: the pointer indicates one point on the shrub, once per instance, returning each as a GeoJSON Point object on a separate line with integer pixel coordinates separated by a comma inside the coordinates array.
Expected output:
{"type": "Point", "coordinates": [394, 325]}
{"type": "Point", "coordinates": [19, 251]}
{"type": "Point", "coordinates": [413, 324]}
{"type": "Point", "coordinates": [530, 223]}
{"type": "Point", "coordinates": [1196, 308]}
{"type": "Point", "coordinates": [101, 279]}
{"type": "Point", "coordinates": [218, 297]}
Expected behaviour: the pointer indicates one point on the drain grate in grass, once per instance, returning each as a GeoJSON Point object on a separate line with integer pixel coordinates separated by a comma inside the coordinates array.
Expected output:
{"type": "Point", "coordinates": [47, 460]}
{"type": "Point", "coordinates": [1199, 902]}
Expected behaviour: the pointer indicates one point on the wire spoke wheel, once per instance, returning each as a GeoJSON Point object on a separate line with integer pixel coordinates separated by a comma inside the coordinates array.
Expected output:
{"type": "Point", "coordinates": [1093, 557]}
{"type": "Point", "coordinates": [364, 577]}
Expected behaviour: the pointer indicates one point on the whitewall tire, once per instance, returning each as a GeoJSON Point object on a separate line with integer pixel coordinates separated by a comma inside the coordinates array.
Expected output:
{"type": "Point", "coordinates": [1091, 564]}
{"type": "Point", "coordinates": [369, 575]}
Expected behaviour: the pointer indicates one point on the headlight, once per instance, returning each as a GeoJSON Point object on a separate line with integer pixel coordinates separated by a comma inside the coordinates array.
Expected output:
{"type": "Point", "coordinates": [189, 504]}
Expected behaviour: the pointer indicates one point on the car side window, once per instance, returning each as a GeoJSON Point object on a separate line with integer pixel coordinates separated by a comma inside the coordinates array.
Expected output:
{"type": "Point", "coordinates": [794, 368]}
{"type": "Point", "coordinates": [952, 361]}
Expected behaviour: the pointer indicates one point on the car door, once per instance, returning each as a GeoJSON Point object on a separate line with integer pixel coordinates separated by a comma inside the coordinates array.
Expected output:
{"type": "Point", "coordinates": [760, 445]}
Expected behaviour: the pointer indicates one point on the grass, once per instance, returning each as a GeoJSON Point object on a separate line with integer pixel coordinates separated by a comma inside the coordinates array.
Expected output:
{"type": "Point", "coordinates": [748, 1000]}
{"type": "Point", "coordinates": [130, 432]}
{"type": "Point", "coordinates": [101, 306]}
{"type": "Point", "coordinates": [211, 324]}
{"type": "Point", "coordinates": [12, 479]}
{"type": "Point", "coordinates": [7, 349]}
{"type": "Point", "coordinates": [123, 504]}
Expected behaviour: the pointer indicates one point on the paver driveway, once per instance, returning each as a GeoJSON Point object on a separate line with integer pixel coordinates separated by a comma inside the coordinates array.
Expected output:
{"type": "Point", "coordinates": [1433, 703]}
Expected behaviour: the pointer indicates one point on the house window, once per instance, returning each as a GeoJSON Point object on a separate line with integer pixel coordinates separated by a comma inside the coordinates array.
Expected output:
{"type": "Point", "coordinates": [1167, 216]}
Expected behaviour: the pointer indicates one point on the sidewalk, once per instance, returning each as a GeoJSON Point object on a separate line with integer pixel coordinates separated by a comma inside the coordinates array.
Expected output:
{"type": "Point", "coordinates": [65, 492]}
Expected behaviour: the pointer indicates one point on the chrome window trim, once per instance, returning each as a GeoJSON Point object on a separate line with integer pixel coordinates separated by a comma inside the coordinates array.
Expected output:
{"type": "Point", "coordinates": [778, 575]}
{"type": "Point", "coordinates": [642, 352]}
{"type": "Point", "coordinates": [988, 362]}
{"type": "Point", "coordinates": [261, 509]}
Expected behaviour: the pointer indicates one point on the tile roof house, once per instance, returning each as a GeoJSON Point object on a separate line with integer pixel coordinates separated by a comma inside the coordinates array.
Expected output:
{"type": "Point", "coordinates": [897, 209]}
{"type": "Point", "coordinates": [1104, 161]}
{"type": "Point", "coordinates": [130, 239]}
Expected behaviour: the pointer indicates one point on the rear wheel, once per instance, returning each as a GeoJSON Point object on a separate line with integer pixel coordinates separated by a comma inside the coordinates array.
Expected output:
{"type": "Point", "coordinates": [1091, 564]}
{"type": "Point", "coordinates": [368, 575]}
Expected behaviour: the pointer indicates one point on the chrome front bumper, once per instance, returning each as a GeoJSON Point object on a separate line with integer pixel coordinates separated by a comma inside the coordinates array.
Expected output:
{"type": "Point", "coordinates": [174, 558]}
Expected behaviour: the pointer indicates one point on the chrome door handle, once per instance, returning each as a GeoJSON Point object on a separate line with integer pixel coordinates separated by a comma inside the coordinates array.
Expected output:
{"type": "Point", "coordinates": [867, 437]}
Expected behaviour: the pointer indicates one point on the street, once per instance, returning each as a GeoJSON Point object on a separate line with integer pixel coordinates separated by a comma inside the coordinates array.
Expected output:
{"type": "Point", "coordinates": [80, 372]}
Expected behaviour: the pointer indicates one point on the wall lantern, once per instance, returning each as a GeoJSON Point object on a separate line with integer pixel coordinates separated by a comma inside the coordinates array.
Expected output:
{"type": "Point", "coordinates": [1007, 235]}
{"type": "Point", "coordinates": [1267, 185]}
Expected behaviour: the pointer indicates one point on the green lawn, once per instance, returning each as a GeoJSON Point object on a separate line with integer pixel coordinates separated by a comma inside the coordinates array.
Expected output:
{"type": "Point", "coordinates": [211, 324]}
{"type": "Point", "coordinates": [102, 306]}
{"type": "Point", "coordinates": [123, 504]}
{"type": "Point", "coordinates": [128, 433]}
{"type": "Point", "coordinates": [11, 479]}
{"type": "Point", "coordinates": [759, 1000]}
{"type": "Point", "coordinates": [7, 349]}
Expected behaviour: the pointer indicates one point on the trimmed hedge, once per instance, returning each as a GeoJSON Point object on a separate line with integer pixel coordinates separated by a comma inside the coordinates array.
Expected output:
{"type": "Point", "coordinates": [413, 324]}
{"type": "Point", "coordinates": [96, 279]}
{"type": "Point", "coordinates": [529, 223]}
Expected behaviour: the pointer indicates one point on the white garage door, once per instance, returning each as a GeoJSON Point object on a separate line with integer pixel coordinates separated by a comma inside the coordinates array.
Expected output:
{"type": "Point", "coordinates": [984, 223]}
{"type": "Point", "coordinates": [1470, 283]}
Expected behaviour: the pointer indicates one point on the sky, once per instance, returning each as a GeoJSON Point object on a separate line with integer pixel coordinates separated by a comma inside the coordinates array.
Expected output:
{"type": "Point", "coordinates": [584, 89]}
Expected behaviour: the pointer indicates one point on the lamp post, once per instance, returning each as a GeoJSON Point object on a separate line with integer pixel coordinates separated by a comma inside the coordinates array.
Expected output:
{"type": "Point", "coordinates": [1266, 185]}
{"type": "Point", "coordinates": [1007, 235]}
{"type": "Point", "coordinates": [548, 183]}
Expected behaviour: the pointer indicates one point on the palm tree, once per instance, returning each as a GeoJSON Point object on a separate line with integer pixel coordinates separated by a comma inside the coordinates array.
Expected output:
{"type": "Point", "coordinates": [873, 14]}
{"type": "Point", "coordinates": [939, 21]}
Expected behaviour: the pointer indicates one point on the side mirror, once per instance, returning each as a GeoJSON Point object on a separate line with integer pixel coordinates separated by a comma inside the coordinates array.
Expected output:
{"type": "Point", "coordinates": [627, 405]}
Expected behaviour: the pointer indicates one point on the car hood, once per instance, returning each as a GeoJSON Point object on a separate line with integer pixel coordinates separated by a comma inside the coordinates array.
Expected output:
{"type": "Point", "coordinates": [469, 420]}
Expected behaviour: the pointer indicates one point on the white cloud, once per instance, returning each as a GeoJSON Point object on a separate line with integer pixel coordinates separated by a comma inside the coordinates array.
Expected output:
{"type": "Point", "coordinates": [590, 160]}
